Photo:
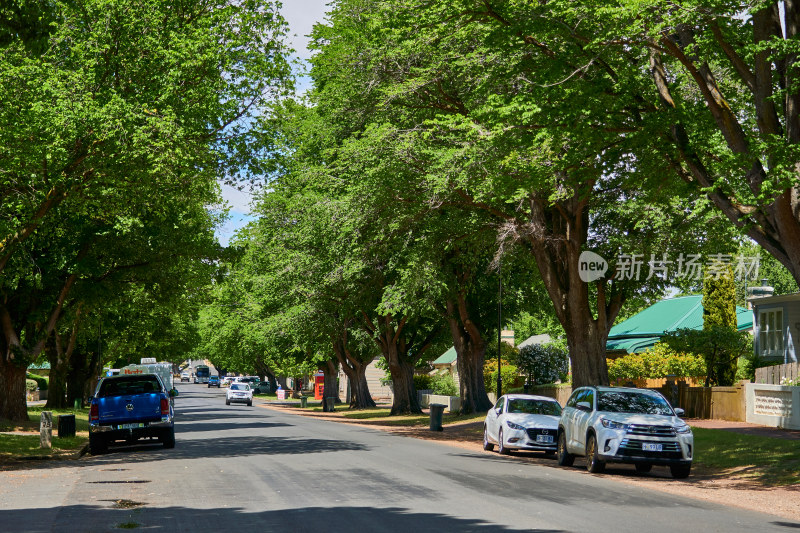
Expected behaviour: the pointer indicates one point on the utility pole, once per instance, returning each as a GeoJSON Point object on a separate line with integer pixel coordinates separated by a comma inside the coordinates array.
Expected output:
{"type": "Point", "coordinates": [499, 323]}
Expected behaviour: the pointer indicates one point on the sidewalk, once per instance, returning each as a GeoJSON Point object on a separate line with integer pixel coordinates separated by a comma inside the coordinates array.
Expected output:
{"type": "Point", "coordinates": [745, 428]}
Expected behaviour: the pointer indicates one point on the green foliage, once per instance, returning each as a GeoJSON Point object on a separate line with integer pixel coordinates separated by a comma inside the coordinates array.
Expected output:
{"type": "Point", "coordinates": [509, 375]}
{"type": "Point", "coordinates": [658, 362]}
{"type": "Point", "coordinates": [719, 299]}
{"type": "Point", "coordinates": [31, 385]}
{"type": "Point", "coordinates": [720, 346]}
{"type": "Point", "coordinates": [423, 381]}
{"type": "Point", "coordinates": [544, 363]}
{"type": "Point", "coordinates": [41, 381]}
{"type": "Point", "coordinates": [747, 365]}
{"type": "Point", "coordinates": [444, 384]}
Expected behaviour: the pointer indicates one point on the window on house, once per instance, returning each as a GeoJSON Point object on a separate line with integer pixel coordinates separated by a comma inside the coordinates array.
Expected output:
{"type": "Point", "coordinates": [770, 332]}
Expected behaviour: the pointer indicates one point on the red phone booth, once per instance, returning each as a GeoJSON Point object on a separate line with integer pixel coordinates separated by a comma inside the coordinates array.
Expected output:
{"type": "Point", "coordinates": [319, 385]}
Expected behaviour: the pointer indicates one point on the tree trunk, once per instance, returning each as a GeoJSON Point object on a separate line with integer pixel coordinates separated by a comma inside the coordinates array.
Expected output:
{"type": "Point", "coordinates": [355, 370]}
{"type": "Point", "coordinates": [557, 252]}
{"type": "Point", "coordinates": [57, 385]}
{"type": "Point", "coordinates": [15, 406]}
{"type": "Point", "coordinates": [471, 351]}
{"type": "Point", "coordinates": [404, 400]}
{"type": "Point", "coordinates": [282, 382]}
{"type": "Point", "coordinates": [330, 387]}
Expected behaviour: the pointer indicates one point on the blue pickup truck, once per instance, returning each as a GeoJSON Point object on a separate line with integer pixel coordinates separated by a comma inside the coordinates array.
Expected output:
{"type": "Point", "coordinates": [129, 408]}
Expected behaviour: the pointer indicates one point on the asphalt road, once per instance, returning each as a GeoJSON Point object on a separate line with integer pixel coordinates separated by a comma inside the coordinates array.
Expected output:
{"type": "Point", "coordinates": [250, 469]}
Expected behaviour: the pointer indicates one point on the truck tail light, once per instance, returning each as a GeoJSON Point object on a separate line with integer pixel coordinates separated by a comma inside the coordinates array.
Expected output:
{"type": "Point", "coordinates": [164, 406]}
{"type": "Point", "coordinates": [94, 412]}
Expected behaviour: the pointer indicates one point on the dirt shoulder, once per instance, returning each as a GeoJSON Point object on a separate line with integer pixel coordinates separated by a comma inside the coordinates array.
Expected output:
{"type": "Point", "coordinates": [726, 488]}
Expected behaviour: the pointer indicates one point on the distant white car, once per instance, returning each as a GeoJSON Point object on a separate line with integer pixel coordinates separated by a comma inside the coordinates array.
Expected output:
{"type": "Point", "coordinates": [522, 422]}
{"type": "Point", "coordinates": [186, 376]}
{"type": "Point", "coordinates": [239, 393]}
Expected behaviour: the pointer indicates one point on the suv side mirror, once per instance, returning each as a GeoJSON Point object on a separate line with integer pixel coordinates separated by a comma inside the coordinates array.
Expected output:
{"type": "Point", "coordinates": [679, 411]}
{"type": "Point", "coordinates": [584, 406]}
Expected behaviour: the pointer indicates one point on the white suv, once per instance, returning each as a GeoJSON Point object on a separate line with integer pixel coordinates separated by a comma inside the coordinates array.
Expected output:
{"type": "Point", "coordinates": [624, 425]}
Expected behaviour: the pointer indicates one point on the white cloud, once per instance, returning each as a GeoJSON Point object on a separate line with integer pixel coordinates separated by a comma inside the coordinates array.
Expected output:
{"type": "Point", "coordinates": [301, 15]}
{"type": "Point", "coordinates": [238, 200]}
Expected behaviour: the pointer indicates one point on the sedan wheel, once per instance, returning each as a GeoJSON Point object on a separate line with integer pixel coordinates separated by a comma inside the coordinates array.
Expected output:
{"type": "Point", "coordinates": [593, 462]}
{"type": "Point", "coordinates": [564, 457]}
{"type": "Point", "coordinates": [502, 447]}
{"type": "Point", "coordinates": [227, 402]}
{"type": "Point", "coordinates": [488, 446]}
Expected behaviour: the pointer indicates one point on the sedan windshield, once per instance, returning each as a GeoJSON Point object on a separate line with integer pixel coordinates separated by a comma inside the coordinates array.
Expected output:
{"type": "Point", "coordinates": [533, 407]}
{"type": "Point", "coordinates": [633, 402]}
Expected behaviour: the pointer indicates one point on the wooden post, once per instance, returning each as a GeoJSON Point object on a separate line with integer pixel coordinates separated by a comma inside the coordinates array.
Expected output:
{"type": "Point", "coordinates": [46, 429]}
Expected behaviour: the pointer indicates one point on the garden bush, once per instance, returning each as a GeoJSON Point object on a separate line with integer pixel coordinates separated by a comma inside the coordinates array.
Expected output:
{"type": "Point", "coordinates": [658, 362]}
{"type": "Point", "coordinates": [444, 384]}
{"type": "Point", "coordinates": [41, 381]}
{"type": "Point", "coordinates": [544, 363]}
{"type": "Point", "coordinates": [31, 385]}
{"type": "Point", "coordinates": [422, 381]}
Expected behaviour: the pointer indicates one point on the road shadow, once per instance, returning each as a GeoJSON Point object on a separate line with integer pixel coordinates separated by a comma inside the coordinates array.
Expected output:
{"type": "Point", "coordinates": [189, 427]}
{"type": "Point", "coordinates": [78, 518]}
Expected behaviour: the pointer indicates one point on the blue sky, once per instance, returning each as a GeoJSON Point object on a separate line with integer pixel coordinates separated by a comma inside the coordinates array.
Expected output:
{"type": "Point", "coordinates": [301, 16]}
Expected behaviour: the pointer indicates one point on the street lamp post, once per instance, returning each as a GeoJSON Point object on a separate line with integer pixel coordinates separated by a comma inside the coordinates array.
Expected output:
{"type": "Point", "coordinates": [499, 323]}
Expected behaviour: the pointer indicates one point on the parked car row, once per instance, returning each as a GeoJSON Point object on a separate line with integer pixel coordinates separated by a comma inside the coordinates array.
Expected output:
{"type": "Point", "coordinates": [603, 424]}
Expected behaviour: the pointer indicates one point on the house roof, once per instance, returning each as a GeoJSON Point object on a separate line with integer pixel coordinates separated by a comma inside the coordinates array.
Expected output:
{"type": "Point", "coordinates": [644, 329]}
{"type": "Point", "coordinates": [544, 338]}
{"type": "Point", "coordinates": [781, 298]}
{"type": "Point", "coordinates": [447, 358]}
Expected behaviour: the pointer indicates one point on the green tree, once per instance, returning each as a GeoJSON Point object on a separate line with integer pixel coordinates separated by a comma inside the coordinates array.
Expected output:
{"type": "Point", "coordinates": [107, 160]}
{"type": "Point", "coordinates": [719, 299]}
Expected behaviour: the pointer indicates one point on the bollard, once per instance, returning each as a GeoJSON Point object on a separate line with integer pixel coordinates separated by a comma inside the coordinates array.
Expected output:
{"type": "Point", "coordinates": [303, 401]}
{"type": "Point", "coordinates": [46, 429]}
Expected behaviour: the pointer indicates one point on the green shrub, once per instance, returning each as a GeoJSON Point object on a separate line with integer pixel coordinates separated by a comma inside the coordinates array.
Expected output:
{"type": "Point", "coordinates": [30, 385]}
{"type": "Point", "coordinates": [544, 363]}
{"type": "Point", "coordinates": [41, 381]}
{"type": "Point", "coordinates": [720, 346]}
{"type": "Point", "coordinates": [510, 376]}
{"type": "Point", "coordinates": [422, 381]}
{"type": "Point", "coordinates": [658, 362]}
{"type": "Point", "coordinates": [444, 384]}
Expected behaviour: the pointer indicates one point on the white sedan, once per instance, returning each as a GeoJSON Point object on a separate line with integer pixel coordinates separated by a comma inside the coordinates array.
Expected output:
{"type": "Point", "coordinates": [522, 422]}
{"type": "Point", "coordinates": [239, 393]}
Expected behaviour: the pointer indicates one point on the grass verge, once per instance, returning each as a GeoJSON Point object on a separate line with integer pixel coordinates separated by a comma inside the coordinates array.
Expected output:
{"type": "Point", "coordinates": [765, 460]}
{"type": "Point", "coordinates": [381, 416]}
{"type": "Point", "coordinates": [23, 446]}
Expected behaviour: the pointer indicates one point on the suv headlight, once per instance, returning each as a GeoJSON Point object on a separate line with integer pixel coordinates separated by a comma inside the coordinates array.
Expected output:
{"type": "Point", "coordinates": [512, 425]}
{"type": "Point", "coordinates": [683, 429]}
{"type": "Point", "coordinates": [611, 424]}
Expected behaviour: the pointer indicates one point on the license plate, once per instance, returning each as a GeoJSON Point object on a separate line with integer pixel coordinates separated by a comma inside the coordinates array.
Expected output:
{"type": "Point", "coordinates": [131, 426]}
{"type": "Point", "coordinates": [651, 447]}
{"type": "Point", "coordinates": [547, 439]}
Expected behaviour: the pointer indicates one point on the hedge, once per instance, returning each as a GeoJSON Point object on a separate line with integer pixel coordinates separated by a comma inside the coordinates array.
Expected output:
{"type": "Point", "coordinates": [659, 362]}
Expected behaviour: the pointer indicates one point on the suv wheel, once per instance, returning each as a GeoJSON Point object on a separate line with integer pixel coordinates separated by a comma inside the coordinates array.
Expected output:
{"type": "Point", "coordinates": [488, 446]}
{"type": "Point", "coordinates": [564, 457]}
{"type": "Point", "coordinates": [97, 445]}
{"type": "Point", "coordinates": [593, 462]}
{"type": "Point", "coordinates": [680, 471]}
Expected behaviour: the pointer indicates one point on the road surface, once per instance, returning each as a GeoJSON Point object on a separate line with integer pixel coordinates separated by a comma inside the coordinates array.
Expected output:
{"type": "Point", "coordinates": [247, 469]}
